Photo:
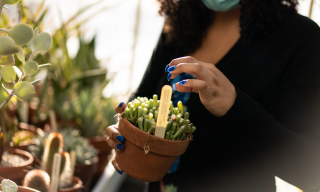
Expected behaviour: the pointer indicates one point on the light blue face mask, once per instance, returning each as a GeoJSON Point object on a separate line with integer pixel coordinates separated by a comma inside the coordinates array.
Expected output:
{"type": "Point", "coordinates": [221, 5]}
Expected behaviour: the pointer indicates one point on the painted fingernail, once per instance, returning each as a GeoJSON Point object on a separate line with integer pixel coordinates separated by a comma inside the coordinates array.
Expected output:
{"type": "Point", "coordinates": [120, 105]}
{"type": "Point", "coordinates": [183, 82]}
{"type": "Point", "coordinates": [174, 87]}
{"type": "Point", "coordinates": [171, 68]}
{"type": "Point", "coordinates": [169, 76]}
{"type": "Point", "coordinates": [119, 171]}
{"type": "Point", "coordinates": [166, 69]}
{"type": "Point", "coordinates": [120, 147]}
{"type": "Point", "coordinates": [120, 138]}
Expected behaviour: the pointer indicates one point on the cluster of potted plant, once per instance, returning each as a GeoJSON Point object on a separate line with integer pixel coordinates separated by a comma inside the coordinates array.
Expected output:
{"type": "Point", "coordinates": [86, 161]}
{"type": "Point", "coordinates": [14, 162]}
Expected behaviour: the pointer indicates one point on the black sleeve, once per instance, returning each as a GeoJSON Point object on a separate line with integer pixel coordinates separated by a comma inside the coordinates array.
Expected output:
{"type": "Point", "coordinates": [161, 57]}
{"type": "Point", "coordinates": [288, 143]}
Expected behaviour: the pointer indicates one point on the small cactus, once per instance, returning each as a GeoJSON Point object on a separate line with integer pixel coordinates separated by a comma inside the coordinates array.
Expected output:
{"type": "Point", "coordinates": [143, 113]}
{"type": "Point", "coordinates": [53, 144]}
{"type": "Point", "coordinates": [37, 179]}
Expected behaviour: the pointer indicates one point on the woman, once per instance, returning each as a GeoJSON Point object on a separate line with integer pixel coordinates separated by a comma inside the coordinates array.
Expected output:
{"type": "Point", "coordinates": [255, 98]}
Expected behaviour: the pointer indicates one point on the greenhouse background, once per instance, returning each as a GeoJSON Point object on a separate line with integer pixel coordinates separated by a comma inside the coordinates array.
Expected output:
{"type": "Point", "coordinates": [125, 33]}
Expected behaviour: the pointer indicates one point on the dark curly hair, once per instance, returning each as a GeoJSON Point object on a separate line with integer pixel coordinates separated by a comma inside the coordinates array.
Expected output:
{"type": "Point", "coordinates": [187, 21]}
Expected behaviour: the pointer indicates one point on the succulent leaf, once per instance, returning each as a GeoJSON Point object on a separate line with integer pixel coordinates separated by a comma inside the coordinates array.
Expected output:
{"type": "Point", "coordinates": [18, 71]}
{"type": "Point", "coordinates": [20, 55]}
{"type": "Point", "coordinates": [7, 60]}
{"type": "Point", "coordinates": [21, 34]}
{"type": "Point", "coordinates": [8, 47]}
{"type": "Point", "coordinates": [42, 42]}
{"type": "Point", "coordinates": [8, 74]}
{"type": "Point", "coordinates": [10, 2]}
{"type": "Point", "coordinates": [30, 67]}
{"type": "Point", "coordinates": [24, 90]}
{"type": "Point", "coordinates": [9, 186]}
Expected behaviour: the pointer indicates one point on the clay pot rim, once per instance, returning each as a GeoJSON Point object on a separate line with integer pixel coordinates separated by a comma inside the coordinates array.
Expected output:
{"type": "Point", "coordinates": [148, 138]}
{"type": "Point", "coordinates": [21, 153]}
{"type": "Point", "coordinates": [78, 184]}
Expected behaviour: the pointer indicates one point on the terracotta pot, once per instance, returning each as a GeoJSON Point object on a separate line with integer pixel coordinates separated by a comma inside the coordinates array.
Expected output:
{"type": "Point", "coordinates": [25, 189]}
{"type": "Point", "coordinates": [100, 143]}
{"type": "Point", "coordinates": [76, 188]}
{"type": "Point", "coordinates": [1, 178]}
{"type": "Point", "coordinates": [26, 127]}
{"type": "Point", "coordinates": [82, 171]}
{"type": "Point", "coordinates": [86, 172]}
{"type": "Point", "coordinates": [150, 167]}
{"type": "Point", "coordinates": [16, 174]}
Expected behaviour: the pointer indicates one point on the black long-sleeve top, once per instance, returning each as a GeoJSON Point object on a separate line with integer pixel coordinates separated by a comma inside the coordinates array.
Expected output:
{"type": "Point", "coordinates": [273, 128]}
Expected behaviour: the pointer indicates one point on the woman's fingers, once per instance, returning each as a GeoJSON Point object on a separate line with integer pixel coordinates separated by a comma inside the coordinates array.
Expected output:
{"type": "Point", "coordinates": [115, 139]}
{"type": "Point", "coordinates": [121, 107]}
{"type": "Point", "coordinates": [115, 164]}
{"type": "Point", "coordinates": [196, 86]}
{"type": "Point", "coordinates": [195, 69]}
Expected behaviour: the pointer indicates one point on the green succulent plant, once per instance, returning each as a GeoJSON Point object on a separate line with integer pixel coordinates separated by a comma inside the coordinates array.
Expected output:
{"type": "Point", "coordinates": [9, 186]}
{"type": "Point", "coordinates": [85, 152]}
{"type": "Point", "coordinates": [143, 113]}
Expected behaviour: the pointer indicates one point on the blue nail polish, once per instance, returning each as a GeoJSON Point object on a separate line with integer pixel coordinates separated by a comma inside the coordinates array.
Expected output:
{"type": "Point", "coordinates": [120, 172]}
{"type": "Point", "coordinates": [120, 146]}
{"type": "Point", "coordinates": [183, 82]}
{"type": "Point", "coordinates": [171, 68]}
{"type": "Point", "coordinates": [166, 69]}
{"type": "Point", "coordinates": [174, 87]}
{"type": "Point", "coordinates": [120, 138]}
{"type": "Point", "coordinates": [120, 105]}
{"type": "Point", "coordinates": [169, 76]}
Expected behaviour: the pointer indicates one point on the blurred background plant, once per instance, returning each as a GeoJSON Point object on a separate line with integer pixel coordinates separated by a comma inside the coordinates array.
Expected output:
{"type": "Point", "coordinates": [71, 141]}
{"type": "Point", "coordinates": [73, 85]}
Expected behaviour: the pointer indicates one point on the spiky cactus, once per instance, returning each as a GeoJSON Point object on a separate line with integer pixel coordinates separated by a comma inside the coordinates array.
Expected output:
{"type": "Point", "coordinates": [53, 145]}
{"type": "Point", "coordinates": [143, 112]}
{"type": "Point", "coordinates": [37, 179]}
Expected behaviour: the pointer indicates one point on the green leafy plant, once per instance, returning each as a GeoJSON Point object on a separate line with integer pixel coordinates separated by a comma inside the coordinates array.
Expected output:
{"type": "Point", "coordinates": [143, 113]}
{"type": "Point", "coordinates": [92, 112]}
{"type": "Point", "coordinates": [11, 43]}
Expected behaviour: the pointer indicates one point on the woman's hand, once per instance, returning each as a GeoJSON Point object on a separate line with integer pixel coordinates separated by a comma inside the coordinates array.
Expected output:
{"type": "Point", "coordinates": [115, 139]}
{"type": "Point", "coordinates": [216, 92]}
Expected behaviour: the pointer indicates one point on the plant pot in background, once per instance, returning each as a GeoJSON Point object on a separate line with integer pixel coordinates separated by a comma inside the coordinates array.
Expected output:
{"type": "Point", "coordinates": [100, 143]}
{"type": "Point", "coordinates": [76, 188]}
{"type": "Point", "coordinates": [24, 189]}
{"type": "Point", "coordinates": [86, 172]}
{"type": "Point", "coordinates": [150, 167]}
{"type": "Point", "coordinates": [26, 127]}
{"type": "Point", "coordinates": [1, 178]}
{"type": "Point", "coordinates": [16, 174]}
{"type": "Point", "coordinates": [82, 171]}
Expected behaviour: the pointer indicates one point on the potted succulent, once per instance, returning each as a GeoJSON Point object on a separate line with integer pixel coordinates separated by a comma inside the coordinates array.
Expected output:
{"type": "Point", "coordinates": [150, 156]}
{"type": "Point", "coordinates": [67, 181]}
{"type": "Point", "coordinates": [25, 136]}
{"type": "Point", "coordinates": [86, 155]}
{"type": "Point", "coordinates": [14, 162]}
{"type": "Point", "coordinates": [10, 186]}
